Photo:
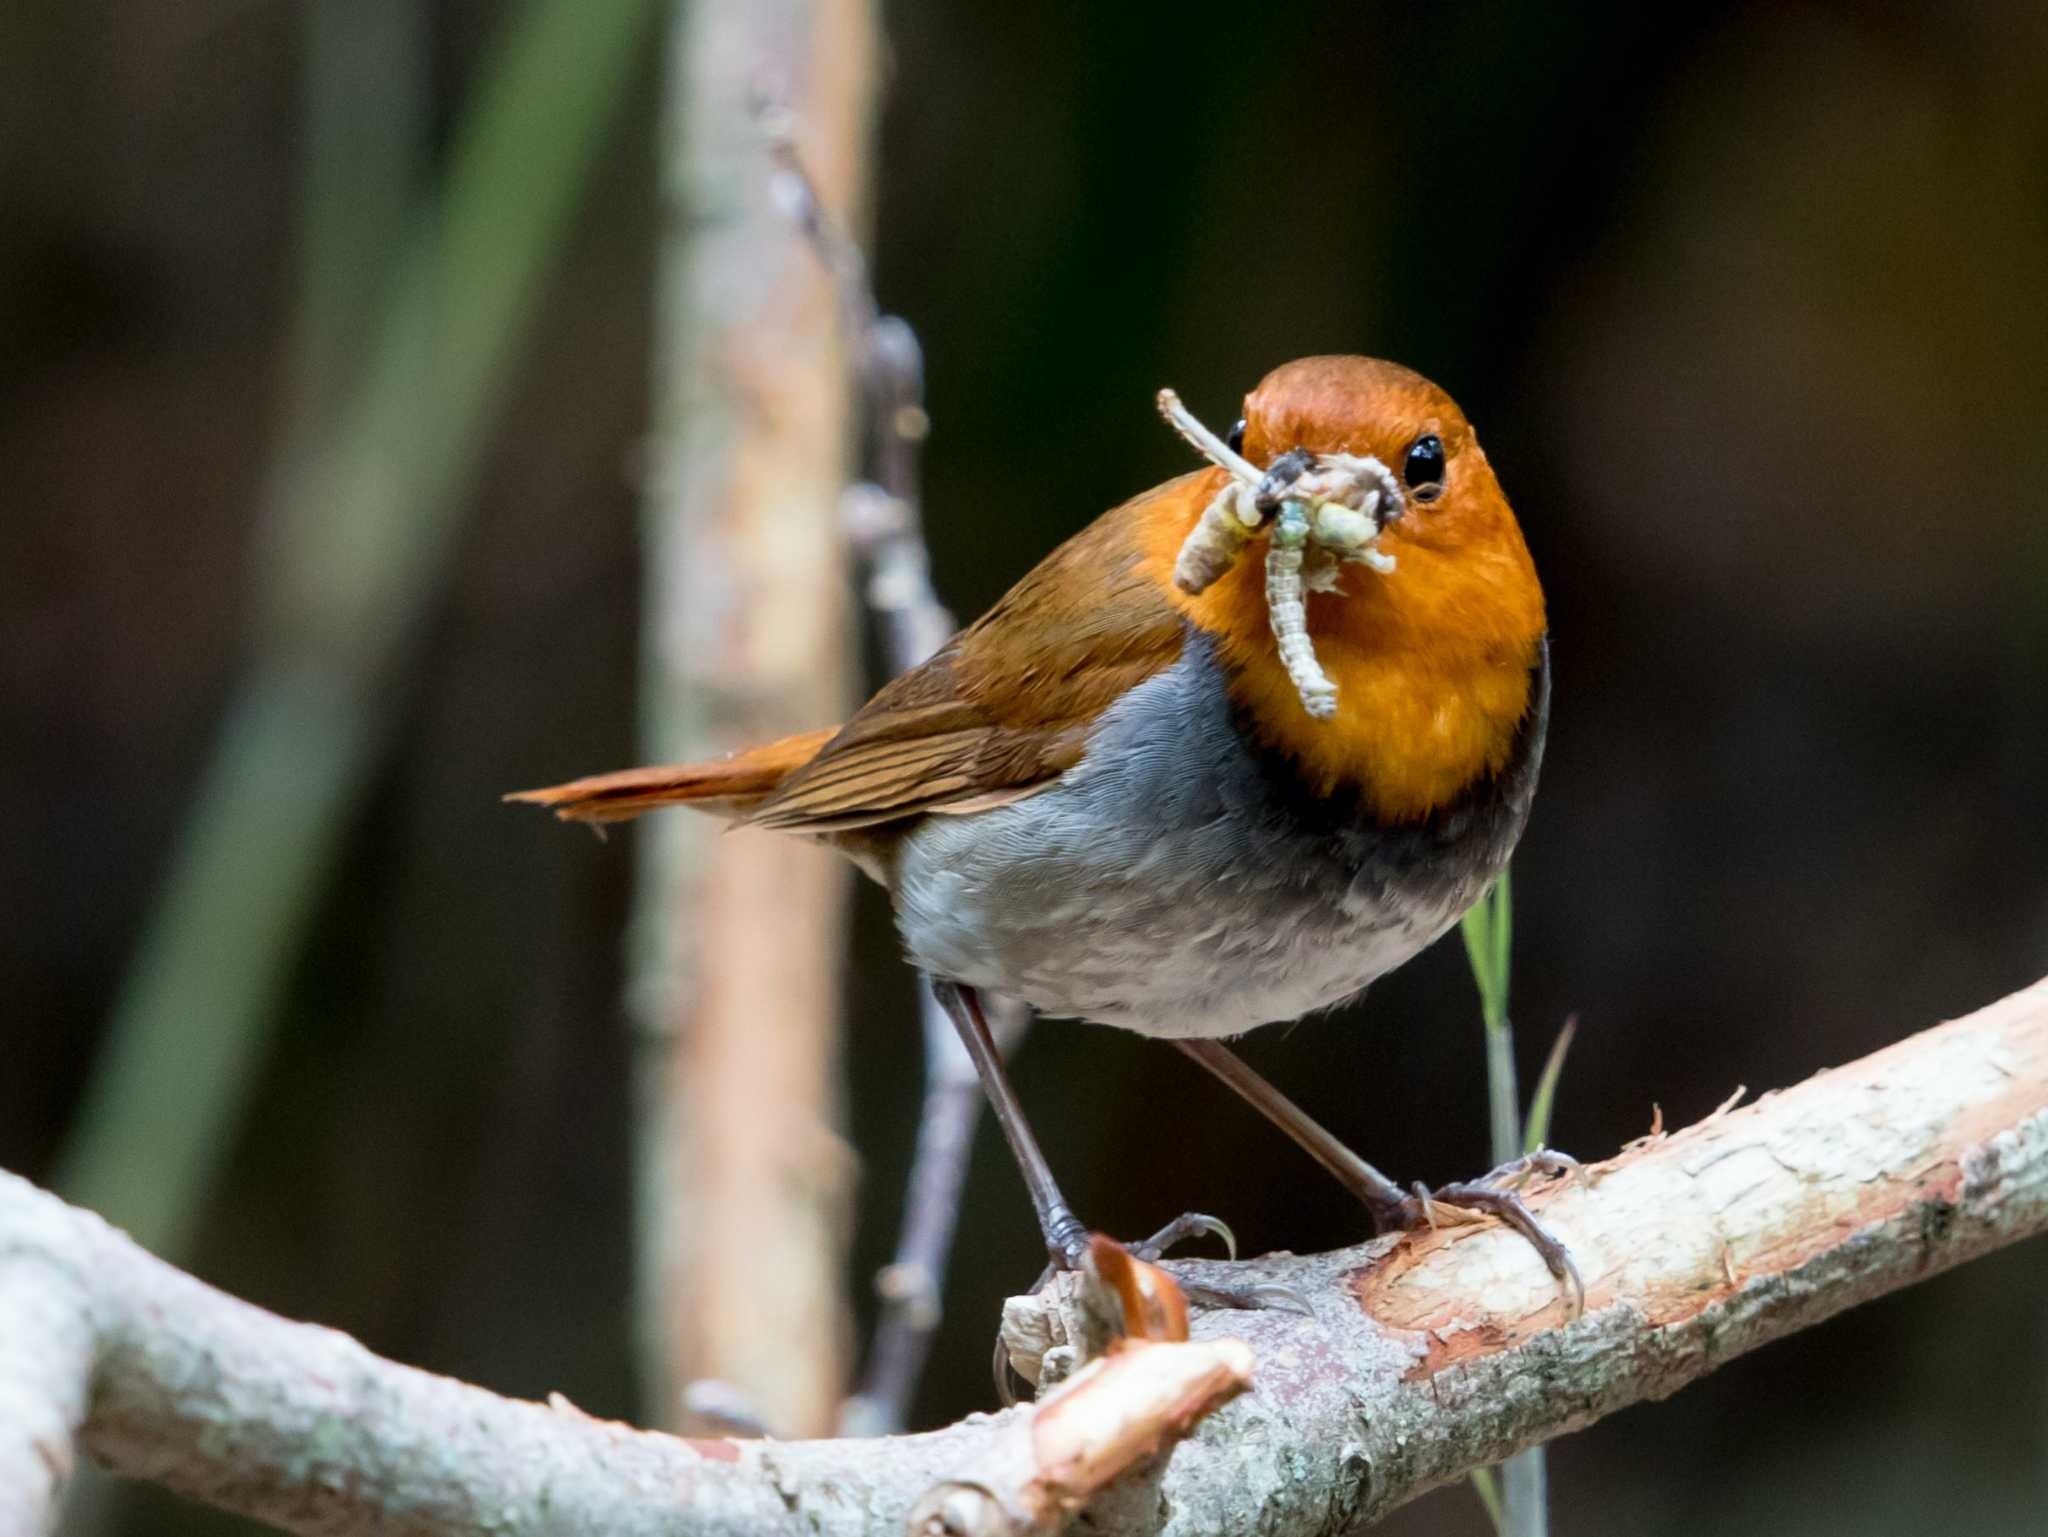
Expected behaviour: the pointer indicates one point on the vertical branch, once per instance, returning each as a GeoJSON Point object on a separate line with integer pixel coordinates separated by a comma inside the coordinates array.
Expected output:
{"type": "Point", "coordinates": [743, 1182]}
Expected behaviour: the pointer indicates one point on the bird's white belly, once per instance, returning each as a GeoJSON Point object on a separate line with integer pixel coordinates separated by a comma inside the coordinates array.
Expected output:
{"type": "Point", "coordinates": [1172, 885]}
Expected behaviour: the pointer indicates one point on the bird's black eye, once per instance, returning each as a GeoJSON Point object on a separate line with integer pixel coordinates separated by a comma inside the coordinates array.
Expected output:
{"type": "Point", "coordinates": [1423, 469]}
{"type": "Point", "coordinates": [1236, 438]}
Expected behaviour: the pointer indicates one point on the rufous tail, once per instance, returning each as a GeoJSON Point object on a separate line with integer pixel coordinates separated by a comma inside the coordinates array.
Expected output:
{"type": "Point", "coordinates": [727, 787]}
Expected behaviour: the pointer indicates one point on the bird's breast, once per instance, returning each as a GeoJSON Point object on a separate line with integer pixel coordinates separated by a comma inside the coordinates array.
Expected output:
{"type": "Point", "coordinates": [1179, 882]}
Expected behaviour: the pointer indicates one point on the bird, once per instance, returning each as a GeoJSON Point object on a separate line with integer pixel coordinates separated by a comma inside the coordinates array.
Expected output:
{"type": "Point", "coordinates": [1164, 788]}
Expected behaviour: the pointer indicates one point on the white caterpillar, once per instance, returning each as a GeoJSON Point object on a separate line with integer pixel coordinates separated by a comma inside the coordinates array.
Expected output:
{"type": "Point", "coordinates": [1227, 525]}
{"type": "Point", "coordinates": [1287, 602]}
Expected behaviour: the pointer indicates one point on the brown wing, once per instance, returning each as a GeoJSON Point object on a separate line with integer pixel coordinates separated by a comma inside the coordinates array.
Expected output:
{"type": "Point", "coordinates": [1005, 707]}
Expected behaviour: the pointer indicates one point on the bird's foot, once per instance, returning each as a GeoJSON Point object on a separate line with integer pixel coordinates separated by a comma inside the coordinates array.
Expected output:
{"type": "Point", "coordinates": [1070, 1249]}
{"type": "Point", "coordinates": [1189, 1224]}
{"type": "Point", "coordinates": [1547, 1161]}
{"type": "Point", "coordinates": [1067, 1240]}
{"type": "Point", "coordinates": [1249, 1299]}
{"type": "Point", "coordinates": [1193, 1224]}
{"type": "Point", "coordinates": [1497, 1194]}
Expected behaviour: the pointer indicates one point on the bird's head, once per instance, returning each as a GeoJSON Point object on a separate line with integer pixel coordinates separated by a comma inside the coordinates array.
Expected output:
{"type": "Point", "coordinates": [1431, 659]}
{"type": "Point", "coordinates": [1451, 504]}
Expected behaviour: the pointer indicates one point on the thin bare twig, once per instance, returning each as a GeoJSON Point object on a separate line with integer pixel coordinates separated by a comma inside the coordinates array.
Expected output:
{"type": "Point", "coordinates": [883, 515]}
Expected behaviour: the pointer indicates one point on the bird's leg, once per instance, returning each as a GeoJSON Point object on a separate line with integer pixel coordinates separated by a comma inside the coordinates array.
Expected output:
{"type": "Point", "coordinates": [1393, 1209]}
{"type": "Point", "coordinates": [1383, 1198]}
{"type": "Point", "coordinates": [1066, 1239]}
{"type": "Point", "coordinates": [1066, 1236]}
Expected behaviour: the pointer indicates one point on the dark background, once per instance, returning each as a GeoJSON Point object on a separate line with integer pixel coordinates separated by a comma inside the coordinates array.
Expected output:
{"type": "Point", "coordinates": [1750, 305]}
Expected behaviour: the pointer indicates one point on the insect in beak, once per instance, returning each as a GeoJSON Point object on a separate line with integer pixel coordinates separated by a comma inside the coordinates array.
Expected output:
{"type": "Point", "coordinates": [1324, 510]}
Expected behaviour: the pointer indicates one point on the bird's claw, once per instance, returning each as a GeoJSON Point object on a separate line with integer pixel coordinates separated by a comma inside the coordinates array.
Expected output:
{"type": "Point", "coordinates": [1266, 1295]}
{"type": "Point", "coordinates": [1497, 1194]}
{"type": "Point", "coordinates": [1192, 1224]}
{"type": "Point", "coordinates": [1517, 1172]}
{"type": "Point", "coordinates": [1419, 1211]}
{"type": "Point", "coordinates": [1068, 1250]}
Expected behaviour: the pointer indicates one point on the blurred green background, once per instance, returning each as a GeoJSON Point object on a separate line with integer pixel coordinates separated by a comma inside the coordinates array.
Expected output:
{"type": "Point", "coordinates": [1750, 304]}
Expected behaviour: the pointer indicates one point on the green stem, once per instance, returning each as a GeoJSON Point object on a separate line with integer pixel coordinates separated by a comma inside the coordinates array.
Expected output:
{"type": "Point", "coordinates": [1523, 1504]}
{"type": "Point", "coordinates": [1503, 1095]}
{"type": "Point", "coordinates": [1525, 1494]}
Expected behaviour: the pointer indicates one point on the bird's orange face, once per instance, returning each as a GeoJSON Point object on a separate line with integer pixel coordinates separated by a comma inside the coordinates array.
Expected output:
{"type": "Point", "coordinates": [1432, 659]}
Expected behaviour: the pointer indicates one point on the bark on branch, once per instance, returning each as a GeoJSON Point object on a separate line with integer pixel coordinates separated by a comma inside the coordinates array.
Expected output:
{"type": "Point", "coordinates": [1426, 1357]}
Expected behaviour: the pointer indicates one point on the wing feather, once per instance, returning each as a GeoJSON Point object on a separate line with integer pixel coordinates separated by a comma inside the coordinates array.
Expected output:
{"type": "Point", "coordinates": [1006, 706]}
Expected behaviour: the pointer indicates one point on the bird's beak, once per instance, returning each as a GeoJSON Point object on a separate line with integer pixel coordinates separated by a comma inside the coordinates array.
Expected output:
{"type": "Point", "coordinates": [1351, 499]}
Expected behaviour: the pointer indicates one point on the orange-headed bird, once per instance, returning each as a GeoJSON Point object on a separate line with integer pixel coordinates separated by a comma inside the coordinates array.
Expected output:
{"type": "Point", "coordinates": [1110, 798]}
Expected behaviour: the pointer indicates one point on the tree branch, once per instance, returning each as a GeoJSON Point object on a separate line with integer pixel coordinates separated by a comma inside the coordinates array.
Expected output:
{"type": "Point", "coordinates": [1426, 1356]}
{"type": "Point", "coordinates": [161, 1377]}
